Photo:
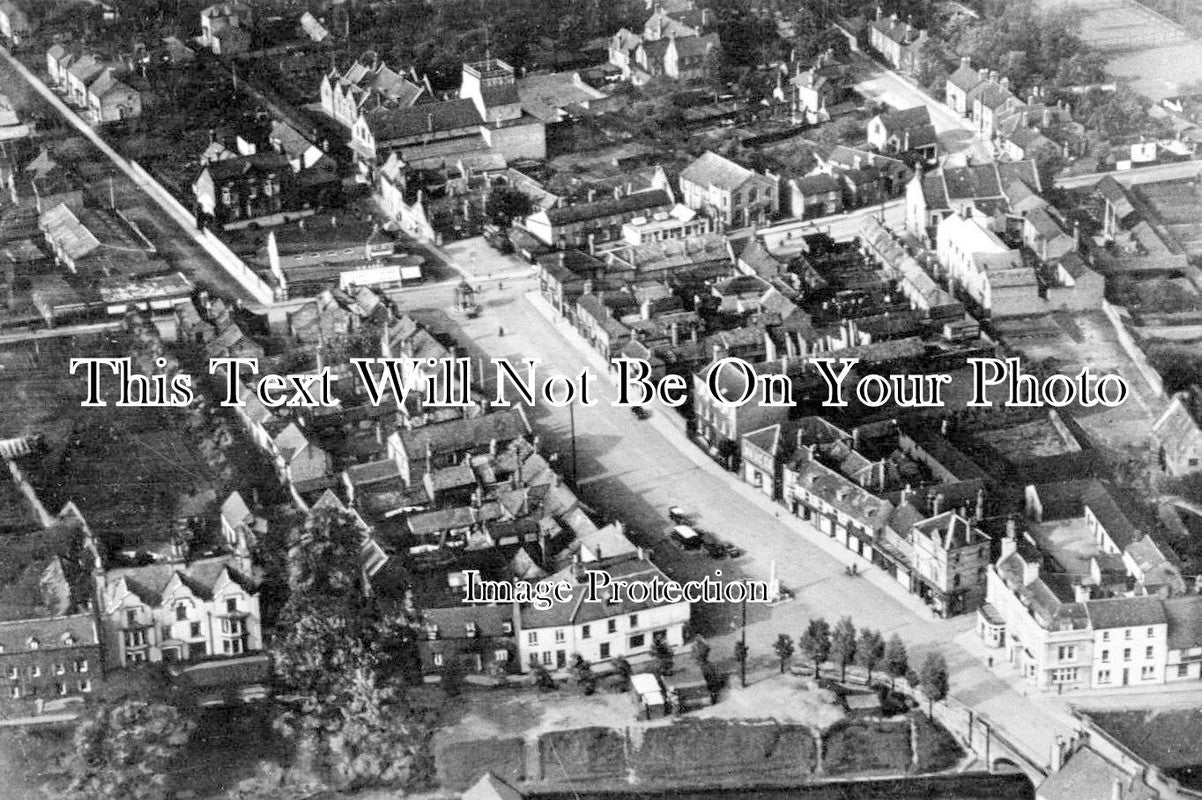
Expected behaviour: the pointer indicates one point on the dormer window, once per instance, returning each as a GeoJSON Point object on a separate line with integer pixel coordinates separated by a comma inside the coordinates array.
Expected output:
{"type": "Point", "coordinates": [431, 631]}
{"type": "Point", "coordinates": [33, 643]}
{"type": "Point", "coordinates": [68, 640]}
{"type": "Point", "coordinates": [231, 605]}
{"type": "Point", "coordinates": [507, 628]}
{"type": "Point", "coordinates": [470, 627]}
{"type": "Point", "coordinates": [131, 618]}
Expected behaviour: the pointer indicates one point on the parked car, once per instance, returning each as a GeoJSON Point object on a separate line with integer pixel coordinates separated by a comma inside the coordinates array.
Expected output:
{"type": "Point", "coordinates": [678, 514]}
{"type": "Point", "coordinates": [713, 546]}
{"type": "Point", "coordinates": [639, 412]}
{"type": "Point", "coordinates": [685, 536]}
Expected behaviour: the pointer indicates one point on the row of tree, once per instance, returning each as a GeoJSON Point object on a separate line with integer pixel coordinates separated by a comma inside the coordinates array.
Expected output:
{"type": "Point", "coordinates": [844, 646]}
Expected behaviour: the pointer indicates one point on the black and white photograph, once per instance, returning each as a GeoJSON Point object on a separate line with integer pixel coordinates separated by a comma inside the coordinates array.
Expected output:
{"type": "Point", "coordinates": [601, 399]}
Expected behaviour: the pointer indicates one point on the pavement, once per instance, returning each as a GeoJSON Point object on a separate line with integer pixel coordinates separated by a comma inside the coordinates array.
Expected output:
{"type": "Point", "coordinates": [1180, 170]}
{"type": "Point", "coordinates": [958, 138]}
{"type": "Point", "coordinates": [173, 234]}
{"type": "Point", "coordinates": [634, 470]}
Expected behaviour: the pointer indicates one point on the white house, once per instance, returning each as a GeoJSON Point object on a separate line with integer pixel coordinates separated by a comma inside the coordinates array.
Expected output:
{"type": "Point", "coordinates": [604, 630]}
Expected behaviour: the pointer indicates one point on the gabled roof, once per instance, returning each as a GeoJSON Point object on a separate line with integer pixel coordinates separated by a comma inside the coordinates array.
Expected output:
{"type": "Point", "coordinates": [1125, 612]}
{"type": "Point", "coordinates": [638, 201]}
{"type": "Point", "coordinates": [712, 169]}
{"type": "Point", "coordinates": [966, 78]}
{"type": "Point", "coordinates": [400, 123]}
{"type": "Point", "coordinates": [895, 121]}
{"type": "Point", "coordinates": [465, 433]}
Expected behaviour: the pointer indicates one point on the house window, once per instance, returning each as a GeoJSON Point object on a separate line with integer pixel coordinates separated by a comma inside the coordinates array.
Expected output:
{"type": "Point", "coordinates": [194, 630]}
{"type": "Point", "coordinates": [1103, 676]}
{"type": "Point", "coordinates": [1105, 636]}
{"type": "Point", "coordinates": [638, 640]}
{"type": "Point", "coordinates": [634, 620]}
{"type": "Point", "coordinates": [35, 671]}
{"type": "Point", "coordinates": [547, 657]}
{"type": "Point", "coordinates": [231, 627]}
{"type": "Point", "coordinates": [532, 637]}
{"type": "Point", "coordinates": [231, 605]}
{"type": "Point", "coordinates": [13, 673]}
{"type": "Point", "coordinates": [470, 629]}
{"type": "Point", "coordinates": [1147, 673]}
{"type": "Point", "coordinates": [181, 612]}
{"type": "Point", "coordinates": [231, 646]}
{"type": "Point", "coordinates": [166, 632]}
{"type": "Point", "coordinates": [1148, 653]}
{"type": "Point", "coordinates": [605, 649]}
{"type": "Point", "coordinates": [1067, 653]}
{"type": "Point", "coordinates": [1183, 670]}
{"type": "Point", "coordinates": [61, 688]}
{"type": "Point", "coordinates": [612, 626]}
{"type": "Point", "coordinates": [1105, 656]}
{"type": "Point", "coordinates": [60, 669]}
{"type": "Point", "coordinates": [559, 636]}
{"type": "Point", "coordinates": [1127, 633]}
{"type": "Point", "coordinates": [85, 685]}
{"type": "Point", "coordinates": [437, 659]}
{"type": "Point", "coordinates": [1064, 675]}
{"type": "Point", "coordinates": [15, 692]}
{"type": "Point", "coordinates": [81, 665]}
{"type": "Point", "coordinates": [135, 656]}
{"type": "Point", "coordinates": [1126, 653]}
{"type": "Point", "coordinates": [33, 644]}
{"type": "Point", "coordinates": [136, 638]}
{"type": "Point", "coordinates": [131, 618]}
{"type": "Point", "coordinates": [585, 632]}
{"type": "Point", "coordinates": [500, 656]}
{"type": "Point", "coordinates": [1151, 632]}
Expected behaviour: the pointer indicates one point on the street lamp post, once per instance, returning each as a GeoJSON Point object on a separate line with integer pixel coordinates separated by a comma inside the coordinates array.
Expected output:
{"type": "Point", "coordinates": [743, 648]}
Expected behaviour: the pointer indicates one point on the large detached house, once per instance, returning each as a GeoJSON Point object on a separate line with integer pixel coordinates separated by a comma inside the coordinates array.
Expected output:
{"type": "Point", "coordinates": [368, 85]}
{"type": "Point", "coordinates": [181, 609]}
{"type": "Point", "coordinates": [899, 42]}
{"type": "Point", "coordinates": [728, 192]}
{"type": "Point", "coordinates": [1179, 435]}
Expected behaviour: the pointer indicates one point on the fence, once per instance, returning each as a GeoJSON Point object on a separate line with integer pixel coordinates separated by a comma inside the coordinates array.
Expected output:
{"type": "Point", "coordinates": [233, 265]}
{"type": "Point", "coordinates": [1115, 314]}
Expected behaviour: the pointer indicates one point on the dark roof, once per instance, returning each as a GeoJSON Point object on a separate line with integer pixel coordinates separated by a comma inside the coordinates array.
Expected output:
{"type": "Point", "coordinates": [817, 184]}
{"type": "Point", "coordinates": [1125, 612]}
{"type": "Point", "coordinates": [400, 123]}
{"type": "Point", "coordinates": [232, 167]}
{"type": "Point", "coordinates": [463, 434]}
{"type": "Point", "coordinates": [1110, 515]}
{"type": "Point", "coordinates": [966, 78]}
{"type": "Point", "coordinates": [638, 201]}
{"type": "Point", "coordinates": [906, 118]}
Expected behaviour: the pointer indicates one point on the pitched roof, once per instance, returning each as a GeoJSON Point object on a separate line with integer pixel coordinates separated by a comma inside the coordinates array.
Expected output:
{"type": "Point", "coordinates": [1125, 612]}
{"type": "Point", "coordinates": [400, 123]}
{"type": "Point", "coordinates": [200, 576]}
{"type": "Point", "coordinates": [1185, 621]}
{"type": "Point", "coordinates": [712, 169]}
{"type": "Point", "coordinates": [638, 201]}
{"type": "Point", "coordinates": [1087, 774]}
{"type": "Point", "coordinates": [966, 78]}
{"type": "Point", "coordinates": [465, 433]}
{"type": "Point", "coordinates": [906, 118]}
{"type": "Point", "coordinates": [47, 633]}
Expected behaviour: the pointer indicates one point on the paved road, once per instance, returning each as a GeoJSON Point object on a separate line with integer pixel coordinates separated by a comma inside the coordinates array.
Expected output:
{"type": "Point", "coordinates": [1182, 170]}
{"type": "Point", "coordinates": [174, 236]}
{"type": "Point", "coordinates": [957, 136]}
{"type": "Point", "coordinates": [633, 470]}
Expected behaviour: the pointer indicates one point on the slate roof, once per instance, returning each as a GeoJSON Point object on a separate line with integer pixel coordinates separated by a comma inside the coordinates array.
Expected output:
{"type": "Point", "coordinates": [465, 433]}
{"type": "Point", "coordinates": [1125, 612]}
{"type": "Point", "coordinates": [712, 169]}
{"type": "Point", "coordinates": [577, 611]}
{"type": "Point", "coordinates": [966, 78]}
{"type": "Point", "coordinates": [201, 576]}
{"type": "Point", "coordinates": [1087, 774]}
{"type": "Point", "coordinates": [639, 201]}
{"type": "Point", "coordinates": [49, 633]}
{"type": "Point", "coordinates": [904, 119]}
{"type": "Point", "coordinates": [387, 124]}
{"type": "Point", "coordinates": [1185, 621]}
{"type": "Point", "coordinates": [817, 184]}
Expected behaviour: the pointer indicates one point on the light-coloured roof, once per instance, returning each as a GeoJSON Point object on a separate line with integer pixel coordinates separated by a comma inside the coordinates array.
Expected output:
{"type": "Point", "coordinates": [712, 169]}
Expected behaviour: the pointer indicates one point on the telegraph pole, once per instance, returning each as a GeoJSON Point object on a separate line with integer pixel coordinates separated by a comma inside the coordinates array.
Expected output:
{"type": "Point", "coordinates": [572, 433]}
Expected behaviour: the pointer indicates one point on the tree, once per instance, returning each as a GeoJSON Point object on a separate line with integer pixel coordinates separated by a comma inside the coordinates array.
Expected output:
{"type": "Point", "coordinates": [843, 645]}
{"type": "Point", "coordinates": [582, 672]}
{"type": "Point", "coordinates": [505, 204]}
{"type": "Point", "coordinates": [897, 661]}
{"type": "Point", "coordinates": [124, 748]}
{"type": "Point", "coordinates": [623, 671]}
{"type": "Point", "coordinates": [315, 649]}
{"type": "Point", "coordinates": [715, 680]}
{"type": "Point", "coordinates": [325, 557]}
{"type": "Point", "coordinates": [741, 653]}
{"type": "Point", "coordinates": [542, 679]}
{"type": "Point", "coordinates": [664, 657]}
{"type": "Point", "coordinates": [701, 652]}
{"type": "Point", "coordinates": [815, 643]}
{"type": "Point", "coordinates": [932, 677]}
{"type": "Point", "coordinates": [451, 676]}
{"type": "Point", "coordinates": [870, 651]}
{"type": "Point", "coordinates": [784, 650]}
{"type": "Point", "coordinates": [375, 743]}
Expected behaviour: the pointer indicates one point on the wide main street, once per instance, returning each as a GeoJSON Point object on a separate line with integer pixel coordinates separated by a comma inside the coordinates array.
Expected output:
{"type": "Point", "coordinates": [634, 470]}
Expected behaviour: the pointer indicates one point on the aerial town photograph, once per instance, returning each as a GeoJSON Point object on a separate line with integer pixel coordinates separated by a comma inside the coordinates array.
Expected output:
{"type": "Point", "coordinates": [601, 399]}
